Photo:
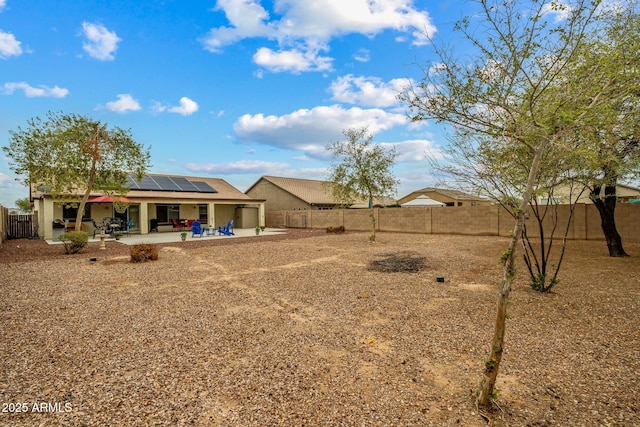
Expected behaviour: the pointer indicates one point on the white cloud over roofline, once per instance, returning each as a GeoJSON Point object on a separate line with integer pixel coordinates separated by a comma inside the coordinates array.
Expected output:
{"type": "Point", "coordinates": [239, 167]}
{"type": "Point", "coordinates": [35, 92]}
{"type": "Point", "coordinates": [100, 43]}
{"type": "Point", "coordinates": [314, 127]}
{"type": "Point", "coordinates": [9, 46]}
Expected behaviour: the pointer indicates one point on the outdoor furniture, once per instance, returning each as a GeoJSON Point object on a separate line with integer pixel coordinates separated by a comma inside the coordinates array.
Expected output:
{"type": "Point", "coordinates": [177, 224]}
{"type": "Point", "coordinates": [226, 230]}
{"type": "Point", "coordinates": [196, 229]}
{"type": "Point", "coordinates": [210, 231]}
{"type": "Point", "coordinates": [96, 227]}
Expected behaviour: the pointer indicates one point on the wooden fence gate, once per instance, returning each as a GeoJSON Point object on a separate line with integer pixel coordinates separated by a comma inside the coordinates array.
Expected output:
{"type": "Point", "coordinates": [21, 227]}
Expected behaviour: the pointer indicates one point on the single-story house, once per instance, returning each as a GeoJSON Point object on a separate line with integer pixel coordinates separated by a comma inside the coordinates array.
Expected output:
{"type": "Point", "coordinates": [155, 202]}
{"type": "Point", "coordinates": [282, 194]}
{"type": "Point", "coordinates": [624, 194]}
{"type": "Point", "coordinates": [446, 196]}
{"type": "Point", "coordinates": [422, 202]}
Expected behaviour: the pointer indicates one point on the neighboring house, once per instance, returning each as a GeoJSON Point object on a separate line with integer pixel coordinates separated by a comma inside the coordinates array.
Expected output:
{"type": "Point", "coordinates": [448, 197]}
{"type": "Point", "coordinates": [624, 194]}
{"type": "Point", "coordinates": [422, 202]}
{"type": "Point", "coordinates": [157, 200]}
{"type": "Point", "coordinates": [282, 194]}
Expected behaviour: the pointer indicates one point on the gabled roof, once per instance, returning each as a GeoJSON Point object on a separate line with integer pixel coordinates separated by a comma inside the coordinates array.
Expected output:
{"type": "Point", "coordinates": [453, 194]}
{"type": "Point", "coordinates": [422, 201]}
{"type": "Point", "coordinates": [311, 191]}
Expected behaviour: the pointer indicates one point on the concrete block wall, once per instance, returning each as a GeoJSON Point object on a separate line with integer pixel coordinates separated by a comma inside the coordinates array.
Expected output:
{"type": "Point", "coordinates": [472, 220]}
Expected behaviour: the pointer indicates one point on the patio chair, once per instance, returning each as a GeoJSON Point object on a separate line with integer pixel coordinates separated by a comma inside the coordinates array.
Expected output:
{"type": "Point", "coordinates": [196, 229]}
{"type": "Point", "coordinates": [226, 230]}
{"type": "Point", "coordinates": [177, 224]}
{"type": "Point", "coordinates": [96, 227]}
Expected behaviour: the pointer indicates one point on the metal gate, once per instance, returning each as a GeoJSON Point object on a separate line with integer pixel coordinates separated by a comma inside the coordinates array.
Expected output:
{"type": "Point", "coordinates": [20, 227]}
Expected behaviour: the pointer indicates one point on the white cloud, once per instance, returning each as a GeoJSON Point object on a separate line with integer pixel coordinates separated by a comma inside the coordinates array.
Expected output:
{"type": "Point", "coordinates": [124, 103]}
{"type": "Point", "coordinates": [239, 167]}
{"type": "Point", "coordinates": [362, 55]}
{"type": "Point", "coordinates": [34, 92]}
{"type": "Point", "coordinates": [558, 9]}
{"type": "Point", "coordinates": [100, 43]}
{"type": "Point", "coordinates": [3, 3]}
{"type": "Point", "coordinates": [9, 46]}
{"type": "Point", "coordinates": [310, 131]}
{"type": "Point", "coordinates": [367, 91]}
{"type": "Point", "coordinates": [293, 60]}
{"type": "Point", "coordinates": [415, 150]}
{"type": "Point", "coordinates": [301, 26]}
{"type": "Point", "coordinates": [186, 107]}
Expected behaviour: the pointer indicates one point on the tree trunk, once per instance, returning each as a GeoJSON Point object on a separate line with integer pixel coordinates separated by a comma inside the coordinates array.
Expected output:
{"type": "Point", "coordinates": [492, 365]}
{"type": "Point", "coordinates": [607, 209]}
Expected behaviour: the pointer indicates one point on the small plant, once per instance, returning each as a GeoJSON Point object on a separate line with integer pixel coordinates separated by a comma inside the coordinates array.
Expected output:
{"type": "Point", "coordinates": [336, 230]}
{"type": "Point", "coordinates": [118, 235]}
{"type": "Point", "coordinates": [258, 228]}
{"type": "Point", "coordinates": [144, 252]}
{"type": "Point", "coordinates": [74, 241]}
{"type": "Point", "coordinates": [262, 227]}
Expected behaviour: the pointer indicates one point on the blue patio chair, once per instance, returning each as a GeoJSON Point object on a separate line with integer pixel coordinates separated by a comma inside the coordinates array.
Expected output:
{"type": "Point", "coordinates": [196, 229]}
{"type": "Point", "coordinates": [226, 230]}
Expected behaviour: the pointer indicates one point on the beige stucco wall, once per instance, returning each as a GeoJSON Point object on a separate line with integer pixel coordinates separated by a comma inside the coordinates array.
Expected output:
{"type": "Point", "coordinates": [472, 220]}
{"type": "Point", "coordinates": [276, 199]}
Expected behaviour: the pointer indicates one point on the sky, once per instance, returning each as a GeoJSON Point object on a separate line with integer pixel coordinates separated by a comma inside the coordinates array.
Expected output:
{"type": "Point", "coordinates": [233, 89]}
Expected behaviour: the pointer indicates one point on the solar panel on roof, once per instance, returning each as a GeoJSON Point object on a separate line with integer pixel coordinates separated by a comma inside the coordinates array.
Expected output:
{"type": "Point", "coordinates": [132, 183]}
{"type": "Point", "coordinates": [203, 187]}
{"type": "Point", "coordinates": [166, 183]}
{"type": "Point", "coordinates": [184, 184]}
{"type": "Point", "coordinates": [148, 183]}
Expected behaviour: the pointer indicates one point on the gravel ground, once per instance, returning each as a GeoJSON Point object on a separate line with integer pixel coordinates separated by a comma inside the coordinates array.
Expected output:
{"type": "Point", "coordinates": [298, 330]}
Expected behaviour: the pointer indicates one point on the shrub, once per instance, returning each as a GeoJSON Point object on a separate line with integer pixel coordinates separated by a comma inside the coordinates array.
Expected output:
{"type": "Point", "coordinates": [144, 252]}
{"type": "Point", "coordinates": [337, 230]}
{"type": "Point", "coordinates": [74, 241]}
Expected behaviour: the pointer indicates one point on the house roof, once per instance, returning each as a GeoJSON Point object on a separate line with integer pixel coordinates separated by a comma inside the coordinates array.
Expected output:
{"type": "Point", "coordinates": [311, 191]}
{"type": "Point", "coordinates": [422, 201]}
{"type": "Point", "coordinates": [223, 191]}
{"type": "Point", "coordinates": [453, 194]}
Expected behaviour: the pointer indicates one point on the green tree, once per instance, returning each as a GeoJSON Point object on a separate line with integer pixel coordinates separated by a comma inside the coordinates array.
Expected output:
{"type": "Point", "coordinates": [361, 170]}
{"type": "Point", "coordinates": [24, 205]}
{"type": "Point", "coordinates": [72, 154]}
{"type": "Point", "coordinates": [610, 60]}
{"type": "Point", "coordinates": [504, 91]}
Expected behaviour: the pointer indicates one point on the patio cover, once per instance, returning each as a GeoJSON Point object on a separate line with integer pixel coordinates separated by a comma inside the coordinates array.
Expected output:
{"type": "Point", "coordinates": [108, 199]}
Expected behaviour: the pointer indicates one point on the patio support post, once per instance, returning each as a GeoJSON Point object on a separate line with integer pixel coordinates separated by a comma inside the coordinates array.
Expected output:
{"type": "Point", "coordinates": [144, 218]}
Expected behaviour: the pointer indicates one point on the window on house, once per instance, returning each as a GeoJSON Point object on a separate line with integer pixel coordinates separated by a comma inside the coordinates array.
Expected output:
{"type": "Point", "coordinates": [167, 213]}
{"type": "Point", "coordinates": [71, 213]}
{"type": "Point", "coordinates": [202, 214]}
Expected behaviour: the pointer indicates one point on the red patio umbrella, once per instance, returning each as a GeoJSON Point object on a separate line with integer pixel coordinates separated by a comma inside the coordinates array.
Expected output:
{"type": "Point", "coordinates": [108, 199]}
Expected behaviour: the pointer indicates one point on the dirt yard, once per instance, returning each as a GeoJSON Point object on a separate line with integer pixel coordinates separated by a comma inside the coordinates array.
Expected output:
{"type": "Point", "coordinates": [304, 330]}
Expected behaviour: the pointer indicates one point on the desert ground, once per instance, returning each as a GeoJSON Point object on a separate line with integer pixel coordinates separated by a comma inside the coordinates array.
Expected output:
{"type": "Point", "coordinates": [306, 330]}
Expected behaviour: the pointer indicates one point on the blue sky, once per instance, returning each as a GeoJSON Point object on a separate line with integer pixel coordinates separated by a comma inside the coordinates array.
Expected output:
{"type": "Point", "coordinates": [234, 89]}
